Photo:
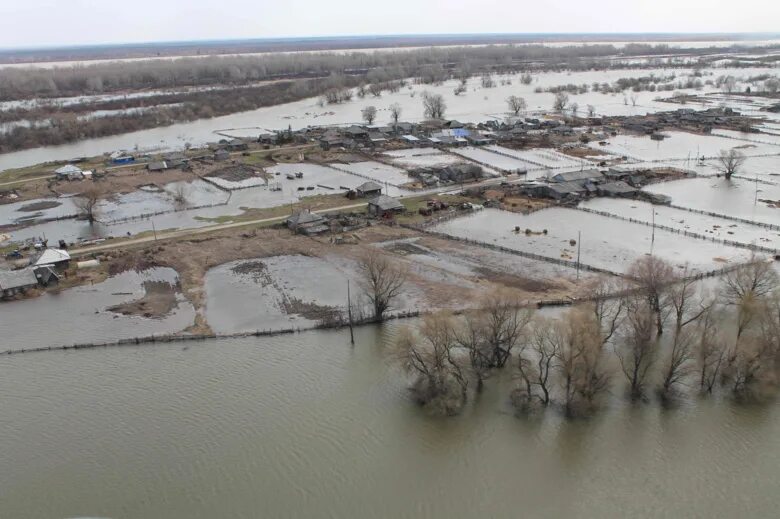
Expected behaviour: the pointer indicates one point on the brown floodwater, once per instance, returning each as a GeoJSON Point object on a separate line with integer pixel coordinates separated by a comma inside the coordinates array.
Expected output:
{"type": "Point", "coordinates": [307, 426]}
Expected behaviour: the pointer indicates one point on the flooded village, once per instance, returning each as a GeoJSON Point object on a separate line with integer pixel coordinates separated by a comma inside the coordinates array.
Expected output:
{"type": "Point", "coordinates": [389, 227]}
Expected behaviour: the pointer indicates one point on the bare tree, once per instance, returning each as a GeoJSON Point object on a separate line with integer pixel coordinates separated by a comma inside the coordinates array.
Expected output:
{"type": "Point", "coordinates": [179, 193]}
{"type": "Point", "coordinates": [637, 347]}
{"type": "Point", "coordinates": [535, 367]}
{"type": "Point", "coordinates": [504, 323]}
{"type": "Point", "coordinates": [634, 99]}
{"type": "Point", "coordinates": [87, 203]}
{"type": "Point", "coordinates": [516, 104]}
{"type": "Point", "coordinates": [574, 108]}
{"type": "Point", "coordinates": [471, 336]}
{"type": "Point", "coordinates": [591, 111]}
{"type": "Point", "coordinates": [772, 85]}
{"type": "Point", "coordinates": [653, 275]}
{"type": "Point", "coordinates": [369, 114]}
{"type": "Point", "coordinates": [375, 89]}
{"type": "Point", "coordinates": [433, 105]}
{"type": "Point", "coordinates": [526, 78]}
{"type": "Point", "coordinates": [395, 113]}
{"type": "Point", "coordinates": [730, 162]}
{"type": "Point", "coordinates": [580, 361]}
{"type": "Point", "coordinates": [711, 349]}
{"type": "Point", "coordinates": [382, 281]}
{"type": "Point", "coordinates": [730, 84]}
{"type": "Point", "coordinates": [429, 355]}
{"type": "Point", "coordinates": [560, 101]}
{"type": "Point", "coordinates": [487, 81]}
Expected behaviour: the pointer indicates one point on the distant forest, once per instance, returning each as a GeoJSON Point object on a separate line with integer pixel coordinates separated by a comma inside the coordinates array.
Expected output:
{"type": "Point", "coordinates": [213, 86]}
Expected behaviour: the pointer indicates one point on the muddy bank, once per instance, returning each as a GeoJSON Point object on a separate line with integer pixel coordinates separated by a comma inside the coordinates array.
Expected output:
{"type": "Point", "coordinates": [158, 301]}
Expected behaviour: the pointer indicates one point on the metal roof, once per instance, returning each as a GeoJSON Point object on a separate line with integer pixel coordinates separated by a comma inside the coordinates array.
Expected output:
{"type": "Point", "coordinates": [10, 279]}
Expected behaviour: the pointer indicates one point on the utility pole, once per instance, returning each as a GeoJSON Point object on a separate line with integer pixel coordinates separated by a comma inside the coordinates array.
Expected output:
{"type": "Point", "coordinates": [349, 314]}
{"type": "Point", "coordinates": [154, 231]}
{"type": "Point", "coordinates": [579, 245]}
{"type": "Point", "coordinates": [652, 237]}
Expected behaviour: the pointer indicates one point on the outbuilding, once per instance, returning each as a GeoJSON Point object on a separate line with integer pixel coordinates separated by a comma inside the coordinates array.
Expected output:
{"type": "Point", "coordinates": [384, 206]}
{"type": "Point", "coordinates": [69, 172]}
{"type": "Point", "coordinates": [369, 188]}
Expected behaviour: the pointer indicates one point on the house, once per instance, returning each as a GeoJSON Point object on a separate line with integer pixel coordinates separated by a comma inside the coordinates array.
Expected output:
{"type": "Point", "coordinates": [592, 175]}
{"type": "Point", "coordinates": [410, 139]}
{"type": "Point", "coordinates": [221, 155]}
{"type": "Point", "coordinates": [306, 222]}
{"type": "Point", "coordinates": [157, 166]}
{"type": "Point", "coordinates": [377, 138]}
{"type": "Point", "coordinates": [267, 138]}
{"type": "Point", "coordinates": [616, 189]}
{"type": "Point", "coordinates": [55, 257]}
{"type": "Point", "coordinates": [369, 188]}
{"type": "Point", "coordinates": [476, 139]}
{"type": "Point", "coordinates": [174, 159]}
{"type": "Point", "coordinates": [68, 172]}
{"type": "Point", "coordinates": [331, 139]}
{"type": "Point", "coordinates": [384, 206]}
{"type": "Point", "coordinates": [357, 132]}
{"type": "Point", "coordinates": [237, 145]}
{"type": "Point", "coordinates": [14, 282]}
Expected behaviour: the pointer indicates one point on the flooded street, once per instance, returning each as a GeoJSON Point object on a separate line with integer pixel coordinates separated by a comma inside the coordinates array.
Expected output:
{"type": "Point", "coordinates": [307, 426]}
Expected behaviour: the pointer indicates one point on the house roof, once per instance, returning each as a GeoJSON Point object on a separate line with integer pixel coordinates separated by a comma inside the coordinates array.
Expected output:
{"type": "Point", "coordinates": [588, 174]}
{"type": "Point", "coordinates": [51, 257]}
{"type": "Point", "coordinates": [304, 217]}
{"type": "Point", "coordinates": [617, 187]}
{"type": "Point", "coordinates": [10, 279]}
{"type": "Point", "coordinates": [386, 203]}
{"type": "Point", "coordinates": [155, 166]}
{"type": "Point", "coordinates": [68, 169]}
{"type": "Point", "coordinates": [368, 186]}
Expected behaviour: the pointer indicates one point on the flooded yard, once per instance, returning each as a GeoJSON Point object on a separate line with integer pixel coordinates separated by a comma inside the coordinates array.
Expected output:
{"type": "Point", "coordinates": [709, 226]}
{"type": "Point", "coordinates": [735, 198]}
{"type": "Point", "coordinates": [282, 292]}
{"type": "Point", "coordinates": [93, 313]}
{"type": "Point", "coordinates": [606, 243]}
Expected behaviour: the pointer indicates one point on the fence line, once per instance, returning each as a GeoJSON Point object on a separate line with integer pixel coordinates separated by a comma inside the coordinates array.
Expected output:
{"type": "Point", "coordinates": [146, 216]}
{"type": "Point", "coordinates": [742, 245]}
{"type": "Point", "coordinates": [727, 217]}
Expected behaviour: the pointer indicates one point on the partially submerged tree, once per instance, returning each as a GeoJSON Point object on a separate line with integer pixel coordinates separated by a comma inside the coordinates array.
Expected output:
{"type": "Point", "coordinates": [382, 281]}
{"type": "Point", "coordinates": [653, 275]}
{"type": "Point", "coordinates": [560, 101]}
{"type": "Point", "coordinates": [730, 162]}
{"type": "Point", "coordinates": [434, 105]}
{"type": "Point", "coordinates": [536, 363]}
{"type": "Point", "coordinates": [637, 346]}
{"type": "Point", "coordinates": [429, 354]}
{"type": "Point", "coordinates": [591, 111]}
{"type": "Point", "coordinates": [395, 113]}
{"type": "Point", "coordinates": [516, 104]}
{"type": "Point", "coordinates": [369, 114]}
{"type": "Point", "coordinates": [87, 204]}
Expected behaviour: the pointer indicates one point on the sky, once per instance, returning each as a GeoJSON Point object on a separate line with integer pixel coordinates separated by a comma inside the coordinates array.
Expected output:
{"type": "Point", "coordinates": [42, 23]}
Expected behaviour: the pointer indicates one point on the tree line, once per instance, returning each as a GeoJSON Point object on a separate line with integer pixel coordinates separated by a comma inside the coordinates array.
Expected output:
{"type": "Point", "coordinates": [115, 77]}
{"type": "Point", "coordinates": [656, 334]}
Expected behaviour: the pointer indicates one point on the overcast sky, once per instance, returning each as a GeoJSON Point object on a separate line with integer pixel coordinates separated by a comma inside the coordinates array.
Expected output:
{"type": "Point", "coordinates": [33, 23]}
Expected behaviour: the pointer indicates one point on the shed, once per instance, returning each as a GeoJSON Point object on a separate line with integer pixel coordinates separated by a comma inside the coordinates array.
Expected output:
{"type": "Point", "coordinates": [157, 166]}
{"type": "Point", "coordinates": [68, 172]}
{"type": "Point", "coordinates": [306, 222]}
{"type": "Point", "coordinates": [384, 206]}
{"type": "Point", "coordinates": [174, 159]}
{"type": "Point", "coordinates": [221, 155]}
{"type": "Point", "coordinates": [369, 188]}
{"type": "Point", "coordinates": [14, 282]}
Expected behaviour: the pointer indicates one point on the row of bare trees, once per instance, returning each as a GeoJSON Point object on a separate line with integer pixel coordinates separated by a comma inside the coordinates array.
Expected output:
{"type": "Point", "coordinates": [660, 329]}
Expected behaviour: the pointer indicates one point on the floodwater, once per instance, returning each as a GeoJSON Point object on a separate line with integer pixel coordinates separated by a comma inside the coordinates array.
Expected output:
{"type": "Point", "coordinates": [606, 243]}
{"type": "Point", "coordinates": [705, 225]}
{"type": "Point", "coordinates": [269, 293]}
{"type": "Point", "coordinates": [736, 197]}
{"type": "Point", "coordinates": [80, 314]}
{"type": "Point", "coordinates": [476, 105]}
{"type": "Point", "coordinates": [306, 425]}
